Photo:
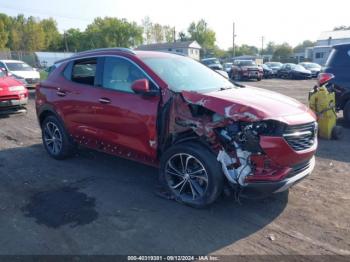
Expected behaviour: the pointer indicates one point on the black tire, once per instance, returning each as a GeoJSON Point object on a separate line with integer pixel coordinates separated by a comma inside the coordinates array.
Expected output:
{"type": "Point", "coordinates": [337, 132]}
{"type": "Point", "coordinates": [259, 79]}
{"type": "Point", "coordinates": [56, 141]}
{"type": "Point", "coordinates": [346, 112]}
{"type": "Point", "coordinates": [198, 157]}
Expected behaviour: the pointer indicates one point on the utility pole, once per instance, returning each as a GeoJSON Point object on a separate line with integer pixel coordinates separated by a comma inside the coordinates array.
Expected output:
{"type": "Point", "coordinates": [174, 32]}
{"type": "Point", "coordinates": [65, 41]}
{"type": "Point", "coordinates": [233, 41]}
{"type": "Point", "coordinates": [262, 45]}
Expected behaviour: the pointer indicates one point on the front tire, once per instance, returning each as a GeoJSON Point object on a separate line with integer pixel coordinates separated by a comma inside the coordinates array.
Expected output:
{"type": "Point", "coordinates": [191, 173]}
{"type": "Point", "coordinates": [55, 139]}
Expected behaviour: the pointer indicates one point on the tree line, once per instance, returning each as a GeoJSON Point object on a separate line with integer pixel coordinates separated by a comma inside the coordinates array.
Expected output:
{"type": "Point", "coordinates": [34, 34]}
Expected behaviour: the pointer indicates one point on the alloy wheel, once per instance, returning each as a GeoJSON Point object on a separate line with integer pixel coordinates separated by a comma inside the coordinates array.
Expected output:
{"type": "Point", "coordinates": [53, 138]}
{"type": "Point", "coordinates": [186, 176]}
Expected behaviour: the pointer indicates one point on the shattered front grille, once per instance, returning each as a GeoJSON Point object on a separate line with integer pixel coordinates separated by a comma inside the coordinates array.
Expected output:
{"type": "Point", "coordinates": [301, 137]}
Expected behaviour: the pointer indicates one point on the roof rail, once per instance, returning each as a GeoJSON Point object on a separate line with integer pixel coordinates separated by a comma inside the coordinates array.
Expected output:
{"type": "Point", "coordinates": [120, 49]}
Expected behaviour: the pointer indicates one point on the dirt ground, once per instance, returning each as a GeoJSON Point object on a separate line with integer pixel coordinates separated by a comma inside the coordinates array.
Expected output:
{"type": "Point", "coordinates": [99, 204]}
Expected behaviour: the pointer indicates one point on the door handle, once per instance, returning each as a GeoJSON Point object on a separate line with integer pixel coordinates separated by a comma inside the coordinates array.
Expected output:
{"type": "Point", "coordinates": [61, 93]}
{"type": "Point", "coordinates": [104, 100]}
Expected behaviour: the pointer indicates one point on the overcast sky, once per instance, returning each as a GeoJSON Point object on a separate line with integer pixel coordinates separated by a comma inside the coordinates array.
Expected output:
{"type": "Point", "coordinates": [280, 21]}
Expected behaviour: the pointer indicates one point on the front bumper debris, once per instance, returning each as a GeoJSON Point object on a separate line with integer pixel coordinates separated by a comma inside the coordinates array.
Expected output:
{"type": "Point", "coordinates": [265, 188]}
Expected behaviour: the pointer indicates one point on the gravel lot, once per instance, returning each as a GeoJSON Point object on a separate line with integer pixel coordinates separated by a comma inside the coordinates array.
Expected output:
{"type": "Point", "coordinates": [99, 204]}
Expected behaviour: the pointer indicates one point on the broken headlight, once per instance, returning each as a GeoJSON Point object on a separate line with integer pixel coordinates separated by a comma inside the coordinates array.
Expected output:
{"type": "Point", "coordinates": [247, 135]}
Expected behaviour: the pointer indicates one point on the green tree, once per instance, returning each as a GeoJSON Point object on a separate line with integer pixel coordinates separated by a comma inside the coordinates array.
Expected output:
{"type": "Point", "coordinates": [75, 40]}
{"type": "Point", "coordinates": [158, 33]}
{"type": "Point", "coordinates": [33, 36]}
{"type": "Point", "coordinates": [147, 29]}
{"type": "Point", "coordinates": [4, 35]}
{"type": "Point", "coordinates": [301, 47]}
{"type": "Point", "coordinates": [202, 34]}
{"type": "Point", "coordinates": [283, 52]}
{"type": "Point", "coordinates": [111, 32]}
{"type": "Point", "coordinates": [169, 33]}
{"type": "Point", "coordinates": [183, 37]}
{"type": "Point", "coordinates": [53, 39]}
{"type": "Point", "coordinates": [270, 48]}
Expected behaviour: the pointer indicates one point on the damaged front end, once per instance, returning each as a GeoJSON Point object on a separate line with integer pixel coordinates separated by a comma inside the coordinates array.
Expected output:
{"type": "Point", "coordinates": [235, 133]}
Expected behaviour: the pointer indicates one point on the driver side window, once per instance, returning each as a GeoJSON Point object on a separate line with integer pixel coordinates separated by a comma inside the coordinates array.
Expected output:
{"type": "Point", "coordinates": [119, 74]}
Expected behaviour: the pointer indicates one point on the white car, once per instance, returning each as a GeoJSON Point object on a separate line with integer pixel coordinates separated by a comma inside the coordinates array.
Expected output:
{"type": "Point", "coordinates": [21, 71]}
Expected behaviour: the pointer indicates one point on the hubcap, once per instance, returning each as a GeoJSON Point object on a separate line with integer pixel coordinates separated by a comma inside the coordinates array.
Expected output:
{"type": "Point", "coordinates": [186, 176]}
{"type": "Point", "coordinates": [52, 138]}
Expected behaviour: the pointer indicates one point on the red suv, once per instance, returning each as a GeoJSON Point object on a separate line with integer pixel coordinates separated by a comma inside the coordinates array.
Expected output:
{"type": "Point", "coordinates": [169, 111]}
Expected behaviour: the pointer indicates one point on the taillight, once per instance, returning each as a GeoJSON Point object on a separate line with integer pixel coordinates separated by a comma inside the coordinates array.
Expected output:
{"type": "Point", "coordinates": [323, 78]}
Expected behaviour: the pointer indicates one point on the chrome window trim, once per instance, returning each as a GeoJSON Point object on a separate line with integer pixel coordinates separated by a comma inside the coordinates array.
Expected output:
{"type": "Point", "coordinates": [117, 56]}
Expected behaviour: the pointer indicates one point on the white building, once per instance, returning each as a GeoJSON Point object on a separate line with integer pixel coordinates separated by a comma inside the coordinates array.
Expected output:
{"type": "Point", "coordinates": [319, 53]}
{"type": "Point", "coordinates": [187, 48]}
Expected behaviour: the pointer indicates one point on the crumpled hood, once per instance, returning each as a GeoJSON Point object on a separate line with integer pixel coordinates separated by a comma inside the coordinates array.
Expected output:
{"type": "Point", "coordinates": [252, 104]}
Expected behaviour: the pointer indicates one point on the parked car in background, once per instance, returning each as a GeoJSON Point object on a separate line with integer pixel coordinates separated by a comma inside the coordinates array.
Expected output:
{"type": "Point", "coordinates": [213, 63]}
{"type": "Point", "coordinates": [313, 67]}
{"type": "Point", "coordinates": [169, 111]}
{"type": "Point", "coordinates": [21, 71]}
{"type": "Point", "coordinates": [293, 71]}
{"type": "Point", "coordinates": [268, 72]}
{"type": "Point", "coordinates": [246, 69]}
{"type": "Point", "coordinates": [275, 66]}
{"type": "Point", "coordinates": [13, 94]}
{"type": "Point", "coordinates": [223, 73]}
{"type": "Point", "coordinates": [338, 64]}
{"type": "Point", "coordinates": [228, 67]}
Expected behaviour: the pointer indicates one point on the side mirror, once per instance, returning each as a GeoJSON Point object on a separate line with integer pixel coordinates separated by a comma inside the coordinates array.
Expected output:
{"type": "Point", "coordinates": [141, 86]}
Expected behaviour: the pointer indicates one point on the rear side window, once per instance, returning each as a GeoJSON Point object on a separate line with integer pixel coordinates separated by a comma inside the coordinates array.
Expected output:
{"type": "Point", "coordinates": [84, 71]}
{"type": "Point", "coordinates": [338, 58]}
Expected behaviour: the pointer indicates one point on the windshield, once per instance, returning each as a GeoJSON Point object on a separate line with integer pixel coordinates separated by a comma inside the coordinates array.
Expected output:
{"type": "Point", "coordinates": [246, 63]}
{"type": "Point", "coordinates": [210, 61]}
{"type": "Point", "coordinates": [2, 73]}
{"type": "Point", "coordinates": [228, 65]}
{"type": "Point", "coordinates": [185, 74]}
{"type": "Point", "coordinates": [17, 66]}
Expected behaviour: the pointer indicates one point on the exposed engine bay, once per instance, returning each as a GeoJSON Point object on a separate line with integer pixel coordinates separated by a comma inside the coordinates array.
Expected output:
{"type": "Point", "coordinates": [235, 141]}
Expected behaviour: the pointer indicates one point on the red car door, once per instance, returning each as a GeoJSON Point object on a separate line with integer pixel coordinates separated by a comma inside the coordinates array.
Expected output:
{"type": "Point", "coordinates": [77, 98]}
{"type": "Point", "coordinates": [126, 121]}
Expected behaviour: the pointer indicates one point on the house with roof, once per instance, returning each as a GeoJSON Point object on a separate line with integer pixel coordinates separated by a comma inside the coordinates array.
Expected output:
{"type": "Point", "coordinates": [320, 52]}
{"type": "Point", "coordinates": [186, 48]}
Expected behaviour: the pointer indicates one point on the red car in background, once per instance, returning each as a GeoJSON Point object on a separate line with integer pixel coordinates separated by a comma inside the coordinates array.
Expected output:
{"type": "Point", "coordinates": [203, 131]}
{"type": "Point", "coordinates": [13, 94]}
{"type": "Point", "coordinates": [246, 69]}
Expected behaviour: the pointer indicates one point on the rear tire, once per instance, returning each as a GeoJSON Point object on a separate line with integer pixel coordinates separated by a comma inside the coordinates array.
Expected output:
{"type": "Point", "coordinates": [346, 112]}
{"type": "Point", "coordinates": [56, 140]}
{"type": "Point", "coordinates": [191, 173]}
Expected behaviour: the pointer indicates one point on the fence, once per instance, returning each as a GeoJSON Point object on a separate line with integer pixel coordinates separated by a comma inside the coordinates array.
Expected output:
{"type": "Point", "coordinates": [35, 59]}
